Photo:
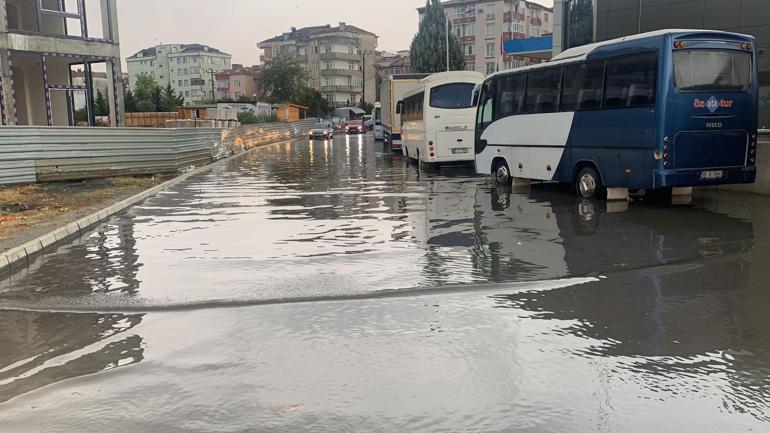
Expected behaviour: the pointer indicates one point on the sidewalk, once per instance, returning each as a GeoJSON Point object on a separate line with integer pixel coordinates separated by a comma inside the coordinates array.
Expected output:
{"type": "Point", "coordinates": [30, 211]}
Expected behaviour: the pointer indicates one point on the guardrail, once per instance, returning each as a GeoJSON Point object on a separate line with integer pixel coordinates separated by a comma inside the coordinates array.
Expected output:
{"type": "Point", "coordinates": [39, 154]}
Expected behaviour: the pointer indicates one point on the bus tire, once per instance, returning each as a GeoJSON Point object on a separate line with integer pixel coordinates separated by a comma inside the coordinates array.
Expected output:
{"type": "Point", "coordinates": [588, 184]}
{"type": "Point", "coordinates": [502, 173]}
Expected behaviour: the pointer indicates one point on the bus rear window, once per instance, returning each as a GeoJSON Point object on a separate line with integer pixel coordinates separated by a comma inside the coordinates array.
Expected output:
{"type": "Point", "coordinates": [452, 96]}
{"type": "Point", "coordinates": [712, 70]}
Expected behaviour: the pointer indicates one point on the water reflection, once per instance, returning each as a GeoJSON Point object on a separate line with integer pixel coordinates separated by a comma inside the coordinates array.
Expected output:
{"type": "Point", "coordinates": [343, 217]}
{"type": "Point", "coordinates": [39, 349]}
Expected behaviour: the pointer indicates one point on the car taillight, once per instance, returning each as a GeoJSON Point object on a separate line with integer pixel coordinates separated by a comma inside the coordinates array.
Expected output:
{"type": "Point", "coordinates": [746, 46]}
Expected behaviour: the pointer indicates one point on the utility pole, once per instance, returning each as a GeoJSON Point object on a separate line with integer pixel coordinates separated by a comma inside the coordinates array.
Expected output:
{"type": "Point", "coordinates": [363, 73]}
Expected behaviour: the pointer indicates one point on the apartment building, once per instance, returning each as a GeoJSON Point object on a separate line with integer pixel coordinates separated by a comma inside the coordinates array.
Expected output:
{"type": "Point", "coordinates": [339, 61]}
{"type": "Point", "coordinates": [483, 25]}
{"type": "Point", "coordinates": [237, 83]}
{"type": "Point", "coordinates": [43, 44]}
{"type": "Point", "coordinates": [579, 22]}
{"type": "Point", "coordinates": [388, 64]}
{"type": "Point", "coordinates": [189, 68]}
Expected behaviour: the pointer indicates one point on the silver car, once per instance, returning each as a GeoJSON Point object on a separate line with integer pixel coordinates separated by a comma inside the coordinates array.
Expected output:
{"type": "Point", "coordinates": [321, 131]}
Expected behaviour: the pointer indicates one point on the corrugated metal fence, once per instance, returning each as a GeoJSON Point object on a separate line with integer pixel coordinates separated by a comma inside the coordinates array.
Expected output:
{"type": "Point", "coordinates": [39, 154]}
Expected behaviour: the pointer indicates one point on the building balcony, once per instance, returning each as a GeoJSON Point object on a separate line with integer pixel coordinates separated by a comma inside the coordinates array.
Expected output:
{"type": "Point", "coordinates": [341, 89]}
{"type": "Point", "coordinates": [340, 56]}
{"type": "Point", "coordinates": [342, 72]}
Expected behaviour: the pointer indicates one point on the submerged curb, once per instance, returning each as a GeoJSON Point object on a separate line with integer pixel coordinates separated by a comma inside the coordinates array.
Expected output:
{"type": "Point", "coordinates": [23, 255]}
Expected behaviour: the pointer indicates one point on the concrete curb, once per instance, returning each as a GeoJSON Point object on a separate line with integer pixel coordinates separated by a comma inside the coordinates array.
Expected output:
{"type": "Point", "coordinates": [23, 255]}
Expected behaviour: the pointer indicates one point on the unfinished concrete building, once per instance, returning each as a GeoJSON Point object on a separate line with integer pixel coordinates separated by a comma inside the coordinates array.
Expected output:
{"type": "Point", "coordinates": [44, 45]}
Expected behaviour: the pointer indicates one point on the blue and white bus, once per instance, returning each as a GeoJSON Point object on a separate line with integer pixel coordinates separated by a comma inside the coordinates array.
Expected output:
{"type": "Point", "coordinates": [665, 110]}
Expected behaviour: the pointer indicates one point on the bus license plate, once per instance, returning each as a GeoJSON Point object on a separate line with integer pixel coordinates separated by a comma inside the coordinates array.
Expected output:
{"type": "Point", "coordinates": [713, 174]}
{"type": "Point", "coordinates": [459, 151]}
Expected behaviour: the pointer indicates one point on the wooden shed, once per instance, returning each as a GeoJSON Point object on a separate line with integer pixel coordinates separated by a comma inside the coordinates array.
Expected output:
{"type": "Point", "coordinates": [290, 112]}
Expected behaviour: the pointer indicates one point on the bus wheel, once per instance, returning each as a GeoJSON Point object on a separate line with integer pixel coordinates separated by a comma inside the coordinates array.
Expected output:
{"type": "Point", "coordinates": [589, 184]}
{"type": "Point", "coordinates": [502, 173]}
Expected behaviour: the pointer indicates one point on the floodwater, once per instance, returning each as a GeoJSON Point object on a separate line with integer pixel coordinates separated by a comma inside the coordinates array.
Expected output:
{"type": "Point", "coordinates": [312, 287]}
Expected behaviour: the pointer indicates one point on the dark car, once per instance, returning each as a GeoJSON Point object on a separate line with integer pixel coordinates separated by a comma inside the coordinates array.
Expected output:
{"type": "Point", "coordinates": [355, 127]}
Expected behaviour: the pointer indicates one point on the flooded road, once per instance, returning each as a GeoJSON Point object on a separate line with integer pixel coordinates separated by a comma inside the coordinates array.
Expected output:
{"type": "Point", "coordinates": [331, 287]}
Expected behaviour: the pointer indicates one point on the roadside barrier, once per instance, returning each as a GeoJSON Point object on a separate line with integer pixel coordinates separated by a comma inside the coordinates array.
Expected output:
{"type": "Point", "coordinates": [42, 154]}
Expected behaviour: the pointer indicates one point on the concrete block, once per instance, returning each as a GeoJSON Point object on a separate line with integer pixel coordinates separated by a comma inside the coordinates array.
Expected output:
{"type": "Point", "coordinates": [17, 257]}
{"type": "Point", "coordinates": [33, 249]}
{"type": "Point", "coordinates": [48, 242]}
{"type": "Point", "coordinates": [617, 194]}
{"type": "Point", "coordinates": [5, 267]}
{"type": "Point", "coordinates": [681, 191]}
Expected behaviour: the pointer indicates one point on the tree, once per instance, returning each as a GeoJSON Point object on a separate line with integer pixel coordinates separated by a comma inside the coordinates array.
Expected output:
{"type": "Point", "coordinates": [244, 99]}
{"type": "Point", "coordinates": [282, 80]}
{"type": "Point", "coordinates": [101, 106]}
{"type": "Point", "coordinates": [247, 118]}
{"type": "Point", "coordinates": [129, 102]}
{"type": "Point", "coordinates": [145, 106]}
{"type": "Point", "coordinates": [366, 106]}
{"type": "Point", "coordinates": [317, 105]}
{"type": "Point", "coordinates": [145, 88]}
{"type": "Point", "coordinates": [169, 100]}
{"type": "Point", "coordinates": [428, 49]}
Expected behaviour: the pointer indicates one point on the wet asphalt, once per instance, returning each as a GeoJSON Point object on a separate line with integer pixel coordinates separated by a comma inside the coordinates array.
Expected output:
{"type": "Point", "coordinates": [333, 286]}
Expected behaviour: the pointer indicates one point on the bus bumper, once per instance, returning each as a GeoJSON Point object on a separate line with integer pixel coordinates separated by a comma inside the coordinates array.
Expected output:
{"type": "Point", "coordinates": [684, 178]}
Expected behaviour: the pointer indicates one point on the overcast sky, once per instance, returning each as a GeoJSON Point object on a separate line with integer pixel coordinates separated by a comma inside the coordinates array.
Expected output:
{"type": "Point", "coordinates": [236, 26]}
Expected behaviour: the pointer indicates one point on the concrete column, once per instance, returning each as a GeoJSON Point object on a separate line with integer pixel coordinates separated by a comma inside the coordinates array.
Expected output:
{"type": "Point", "coordinates": [7, 99]}
{"type": "Point", "coordinates": [114, 66]}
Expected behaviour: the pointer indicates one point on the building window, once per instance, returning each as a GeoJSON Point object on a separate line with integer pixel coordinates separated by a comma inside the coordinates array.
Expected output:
{"type": "Point", "coordinates": [238, 83]}
{"type": "Point", "coordinates": [535, 31]}
{"type": "Point", "coordinates": [328, 65]}
{"type": "Point", "coordinates": [276, 51]}
{"type": "Point", "coordinates": [490, 49]}
{"type": "Point", "coordinates": [351, 50]}
{"type": "Point", "coordinates": [186, 83]}
{"type": "Point", "coordinates": [490, 68]}
{"type": "Point", "coordinates": [468, 49]}
{"type": "Point", "coordinates": [469, 29]}
{"type": "Point", "coordinates": [545, 17]}
{"type": "Point", "coordinates": [490, 8]}
{"type": "Point", "coordinates": [490, 31]}
{"type": "Point", "coordinates": [328, 49]}
{"type": "Point", "coordinates": [578, 23]}
{"type": "Point", "coordinates": [180, 83]}
{"type": "Point", "coordinates": [516, 26]}
{"type": "Point", "coordinates": [352, 66]}
{"type": "Point", "coordinates": [396, 71]}
{"type": "Point", "coordinates": [187, 93]}
{"type": "Point", "coordinates": [470, 66]}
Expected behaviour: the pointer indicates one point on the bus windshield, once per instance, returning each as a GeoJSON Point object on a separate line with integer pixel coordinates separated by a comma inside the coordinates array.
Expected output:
{"type": "Point", "coordinates": [712, 70]}
{"type": "Point", "coordinates": [452, 96]}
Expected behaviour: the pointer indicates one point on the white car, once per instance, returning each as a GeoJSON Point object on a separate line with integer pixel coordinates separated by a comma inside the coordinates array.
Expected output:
{"type": "Point", "coordinates": [321, 131]}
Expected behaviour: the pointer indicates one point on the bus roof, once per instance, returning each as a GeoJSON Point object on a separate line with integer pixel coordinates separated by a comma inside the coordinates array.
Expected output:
{"type": "Point", "coordinates": [581, 53]}
{"type": "Point", "coordinates": [440, 78]}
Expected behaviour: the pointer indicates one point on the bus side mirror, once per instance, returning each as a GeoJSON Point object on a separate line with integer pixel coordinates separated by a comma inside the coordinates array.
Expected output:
{"type": "Point", "coordinates": [475, 100]}
{"type": "Point", "coordinates": [398, 107]}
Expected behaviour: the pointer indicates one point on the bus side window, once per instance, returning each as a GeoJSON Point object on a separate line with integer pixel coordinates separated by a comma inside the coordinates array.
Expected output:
{"type": "Point", "coordinates": [511, 96]}
{"type": "Point", "coordinates": [631, 81]}
{"type": "Point", "coordinates": [399, 107]}
{"type": "Point", "coordinates": [484, 114]}
{"type": "Point", "coordinates": [543, 90]}
{"type": "Point", "coordinates": [582, 86]}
